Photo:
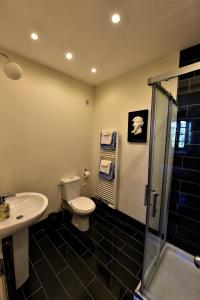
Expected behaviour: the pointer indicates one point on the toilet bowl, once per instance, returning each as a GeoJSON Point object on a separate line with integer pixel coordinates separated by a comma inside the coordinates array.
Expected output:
{"type": "Point", "coordinates": [81, 207]}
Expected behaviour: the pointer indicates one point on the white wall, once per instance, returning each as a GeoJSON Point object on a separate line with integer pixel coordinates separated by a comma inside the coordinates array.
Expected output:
{"type": "Point", "coordinates": [45, 130]}
{"type": "Point", "coordinates": [113, 101]}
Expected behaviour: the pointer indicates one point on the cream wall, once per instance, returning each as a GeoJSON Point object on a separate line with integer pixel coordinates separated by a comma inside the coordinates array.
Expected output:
{"type": "Point", "coordinates": [113, 101]}
{"type": "Point", "coordinates": [45, 130]}
{"type": "Point", "coordinates": [48, 132]}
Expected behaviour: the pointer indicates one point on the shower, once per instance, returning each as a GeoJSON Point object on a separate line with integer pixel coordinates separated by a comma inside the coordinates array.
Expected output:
{"type": "Point", "coordinates": [168, 272]}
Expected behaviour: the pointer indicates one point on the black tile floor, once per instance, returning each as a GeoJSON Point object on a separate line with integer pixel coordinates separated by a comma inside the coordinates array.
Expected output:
{"type": "Point", "coordinates": [103, 263]}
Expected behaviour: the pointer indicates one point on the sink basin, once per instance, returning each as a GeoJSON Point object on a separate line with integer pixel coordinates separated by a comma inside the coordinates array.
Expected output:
{"type": "Point", "coordinates": [25, 209]}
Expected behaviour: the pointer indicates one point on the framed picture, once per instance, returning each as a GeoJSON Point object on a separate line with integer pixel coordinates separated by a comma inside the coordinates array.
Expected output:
{"type": "Point", "coordinates": [137, 126]}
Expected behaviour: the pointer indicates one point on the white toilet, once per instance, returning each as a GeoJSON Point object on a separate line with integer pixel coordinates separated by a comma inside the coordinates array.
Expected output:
{"type": "Point", "coordinates": [81, 207]}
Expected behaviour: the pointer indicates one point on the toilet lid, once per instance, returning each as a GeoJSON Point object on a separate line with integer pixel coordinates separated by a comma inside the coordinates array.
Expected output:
{"type": "Point", "coordinates": [82, 204]}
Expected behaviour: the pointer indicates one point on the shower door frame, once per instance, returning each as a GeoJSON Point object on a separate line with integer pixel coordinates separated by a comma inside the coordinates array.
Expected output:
{"type": "Point", "coordinates": [155, 82]}
{"type": "Point", "coordinates": [161, 236]}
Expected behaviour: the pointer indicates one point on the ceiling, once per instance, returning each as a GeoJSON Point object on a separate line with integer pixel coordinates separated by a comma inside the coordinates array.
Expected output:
{"type": "Point", "coordinates": [149, 30]}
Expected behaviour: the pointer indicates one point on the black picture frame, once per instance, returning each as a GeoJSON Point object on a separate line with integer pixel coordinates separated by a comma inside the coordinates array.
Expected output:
{"type": "Point", "coordinates": [137, 133]}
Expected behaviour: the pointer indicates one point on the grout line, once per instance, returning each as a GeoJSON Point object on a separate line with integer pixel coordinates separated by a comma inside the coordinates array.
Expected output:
{"type": "Point", "coordinates": [23, 292]}
{"type": "Point", "coordinates": [131, 238]}
{"type": "Point", "coordinates": [113, 259]}
{"type": "Point", "coordinates": [34, 293]}
{"type": "Point", "coordinates": [65, 268]}
{"type": "Point", "coordinates": [39, 280]}
{"type": "Point", "coordinates": [124, 240]}
{"type": "Point", "coordinates": [67, 265]}
{"type": "Point", "coordinates": [123, 284]}
{"type": "Point", "coordinates": [32, 234]}
{"type": "Point", "coordinates": [125, 244]}
{"type": "Point", "coordinates": [139, 272]}
{"type": "Point", "coordinates": [111, 229]}
{"type": "Point", "coordinates": [191, 182]}
{"type": "Point", "coordinates": [185, 228]}
{"type": "Point", "coordinates": [122, 223]}
{"type": "Point", "coordinates": [108, 231]}
{"type": "Point", "coordinates": [185, 217]}
{"type": "Point", "coordinates": [38, 239]}
{"type": "Point", "coordinates": [124, 294]}
{"type": "Point", "coordinates": [38, 260]}
{"type": "Point", "coordinates": [93, 279]}
{"type": "Point", "coordinates": [114, 234]}
{"type": "Point", "coordinates": [45, 258]}
{"type": "Point", "coordinates": [120, 249]}
{"type": "Point", "coordinates": [195, 104]}
{"type": "Point", "coordinates": [83, 253]}
{"type": "Point", "coordinates": [195, 196]}
{"type": "Point", "coordinates": [111, 256]}
{"type": "Point", "coordinates": [190, 156]}
{"type": "Point", "coordinates": [190, 207]}
{"type": "Point", "coordinates": [101, 239]}
{"type": "Point", "coordinates": [89, 252]}
{"type": "Point", "coordinates": [185, 241]}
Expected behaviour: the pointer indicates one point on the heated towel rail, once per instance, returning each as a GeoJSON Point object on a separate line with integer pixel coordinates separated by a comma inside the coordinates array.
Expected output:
{"type": "Point", "coordinates": [108, 190]}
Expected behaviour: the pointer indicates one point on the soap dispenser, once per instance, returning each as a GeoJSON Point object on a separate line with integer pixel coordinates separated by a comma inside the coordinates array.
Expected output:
{"type": "Point", "coordinates": [4, 209]}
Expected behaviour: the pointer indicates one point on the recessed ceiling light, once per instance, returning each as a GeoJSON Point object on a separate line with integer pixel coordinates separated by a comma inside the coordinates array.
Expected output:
{"type": "Point", "coordinates": [34, 36]}
{"type": "Point", "coordinates": [115, 18]}
{"type": "Point", "coordinates": [69, 55]}
{"type": "Point", "coordinates": [93, 70]}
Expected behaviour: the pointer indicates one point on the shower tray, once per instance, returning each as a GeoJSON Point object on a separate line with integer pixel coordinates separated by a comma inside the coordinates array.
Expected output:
{"type": "Point", "coordinates": [177, 277]}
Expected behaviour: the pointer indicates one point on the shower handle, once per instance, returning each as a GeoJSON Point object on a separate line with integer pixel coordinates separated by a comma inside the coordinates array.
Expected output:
{"type": "Point", "coordinates": [155, 198]}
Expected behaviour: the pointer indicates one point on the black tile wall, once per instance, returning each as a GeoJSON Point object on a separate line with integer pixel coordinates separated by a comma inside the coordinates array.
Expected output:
{"type": "Point", "coordinates": [184, 208]}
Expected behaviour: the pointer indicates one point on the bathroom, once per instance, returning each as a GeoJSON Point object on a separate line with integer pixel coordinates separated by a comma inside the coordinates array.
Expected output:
{"type": "Point", "coordinates": [52, 119]}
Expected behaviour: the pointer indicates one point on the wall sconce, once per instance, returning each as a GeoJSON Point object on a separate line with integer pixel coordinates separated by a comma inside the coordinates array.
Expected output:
{"type": "Point", "coordinates": [11, 69]}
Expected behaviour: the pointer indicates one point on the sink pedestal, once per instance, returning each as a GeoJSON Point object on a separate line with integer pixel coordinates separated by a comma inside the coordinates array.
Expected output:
{"type": "Point", "coordinates": [21, 260]}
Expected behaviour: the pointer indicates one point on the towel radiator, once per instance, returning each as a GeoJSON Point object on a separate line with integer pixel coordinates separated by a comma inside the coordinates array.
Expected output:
{"type": "Point", "coordinates": [108, 190]}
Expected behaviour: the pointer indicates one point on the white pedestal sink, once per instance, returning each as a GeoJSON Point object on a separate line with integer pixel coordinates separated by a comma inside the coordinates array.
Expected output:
{"type": "Point", "coordinates": [25, 209]}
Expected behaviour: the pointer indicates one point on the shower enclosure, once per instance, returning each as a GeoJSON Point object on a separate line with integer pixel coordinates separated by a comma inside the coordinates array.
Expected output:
{"type": "Point", "coordinates": [168, 272]}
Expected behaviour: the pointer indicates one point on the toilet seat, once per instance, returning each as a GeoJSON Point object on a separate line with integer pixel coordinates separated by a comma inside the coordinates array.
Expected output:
{"type": "Point", "coordinates": [82, 204]}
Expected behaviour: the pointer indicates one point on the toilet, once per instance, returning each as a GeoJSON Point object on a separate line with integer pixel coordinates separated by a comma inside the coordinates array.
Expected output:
{"type": "Point", "coordinates": [81, 207]}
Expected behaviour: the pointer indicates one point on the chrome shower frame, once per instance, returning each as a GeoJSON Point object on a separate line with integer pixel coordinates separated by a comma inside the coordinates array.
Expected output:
{"type": "Point", "coordinates": [155, 82]}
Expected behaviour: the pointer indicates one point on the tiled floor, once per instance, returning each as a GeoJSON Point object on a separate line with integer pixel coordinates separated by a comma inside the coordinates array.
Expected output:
{"type": "Point", "coordinates": [104, 263]}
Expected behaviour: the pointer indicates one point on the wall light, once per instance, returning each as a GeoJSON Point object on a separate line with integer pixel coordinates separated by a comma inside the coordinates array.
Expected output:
{"type": "Point", "coordinates": [11, 69]}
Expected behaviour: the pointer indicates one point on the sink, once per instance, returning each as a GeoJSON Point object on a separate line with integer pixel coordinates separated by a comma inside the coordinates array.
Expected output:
{"type": "Point", "coordinates": [25, 209]}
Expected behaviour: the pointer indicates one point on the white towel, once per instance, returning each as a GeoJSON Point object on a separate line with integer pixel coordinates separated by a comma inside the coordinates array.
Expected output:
{"type": "Point", "coordinates": [105, 166]}
{"type": "Point", "coordinates": [106, 137]}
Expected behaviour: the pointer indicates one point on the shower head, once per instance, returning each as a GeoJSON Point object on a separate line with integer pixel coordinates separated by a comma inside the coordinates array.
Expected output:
{"type": "Point", "coordinates": [11, 68]}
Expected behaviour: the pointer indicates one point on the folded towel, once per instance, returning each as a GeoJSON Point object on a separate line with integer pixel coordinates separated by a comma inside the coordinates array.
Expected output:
{"type": "Point", "coordinates": [111, 175]}
{"type": "Point", "coordinates": [106, 137]}
{"type": "Point", "coordinates": [111, 146]}
{"type": "Point", "coordinates": [105, 166]}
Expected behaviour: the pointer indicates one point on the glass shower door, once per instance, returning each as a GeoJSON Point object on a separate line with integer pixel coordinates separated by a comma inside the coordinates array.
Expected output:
{"type": "Point", "coordinates": [157, 189]}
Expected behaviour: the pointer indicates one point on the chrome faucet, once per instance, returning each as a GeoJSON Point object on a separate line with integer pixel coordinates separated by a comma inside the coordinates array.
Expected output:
{"type": "Point", "coordinates": [4, 196]}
